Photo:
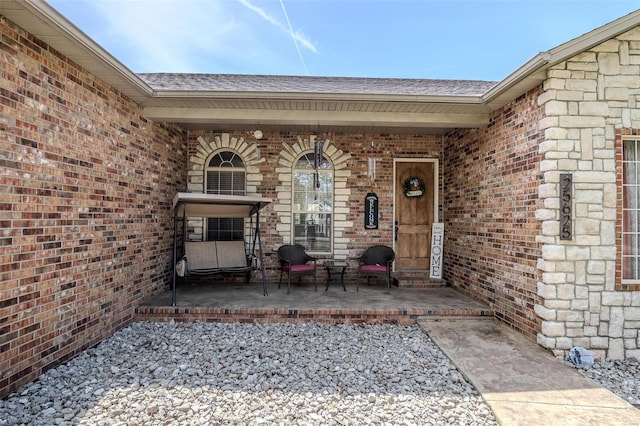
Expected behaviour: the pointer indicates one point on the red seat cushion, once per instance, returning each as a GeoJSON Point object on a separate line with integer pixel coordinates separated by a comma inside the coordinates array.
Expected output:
{"type": "Point", "coordinates": [373, 268]}
{"type": "Point", "coordinates": [299, 268]}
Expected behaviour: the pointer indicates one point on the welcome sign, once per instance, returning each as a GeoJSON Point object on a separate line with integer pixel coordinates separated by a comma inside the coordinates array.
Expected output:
{"type": "Point", "coordinates": [371, 211]}
{"type": "Point", "coordinates": [437, 242]}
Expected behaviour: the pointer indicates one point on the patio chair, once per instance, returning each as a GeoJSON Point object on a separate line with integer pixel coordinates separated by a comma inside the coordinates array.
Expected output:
{"type": "Point", "coordinates": [296, 263]}
{"type": "Point", "coordinates": [376, 261]}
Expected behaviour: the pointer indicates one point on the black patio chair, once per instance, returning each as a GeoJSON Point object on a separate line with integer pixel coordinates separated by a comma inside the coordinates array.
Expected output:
{"type": "Point", "coordinates": [376, 261]}
{"type": "Point", "coordinates": [296, 263]}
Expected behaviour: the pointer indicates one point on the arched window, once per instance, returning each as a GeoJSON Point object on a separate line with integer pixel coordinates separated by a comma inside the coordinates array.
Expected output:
{"type": "Point", "coordinates": [225, 174]}
{"type": "Point", "coordinates": [312, 207]}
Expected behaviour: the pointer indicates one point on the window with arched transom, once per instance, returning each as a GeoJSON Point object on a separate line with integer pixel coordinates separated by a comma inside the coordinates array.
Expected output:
{"type": "Point", "coordinates": [225, 174]}
{"type": "Point", "coordinates": [312, 207]}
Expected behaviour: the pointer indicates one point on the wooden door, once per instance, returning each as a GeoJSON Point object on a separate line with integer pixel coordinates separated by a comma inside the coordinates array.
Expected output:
{"type": "Point", "coordinates": [414, 214]}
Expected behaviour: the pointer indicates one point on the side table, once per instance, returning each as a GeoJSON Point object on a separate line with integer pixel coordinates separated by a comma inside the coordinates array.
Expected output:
{"type": "Point", "coordinates": [335, 266]}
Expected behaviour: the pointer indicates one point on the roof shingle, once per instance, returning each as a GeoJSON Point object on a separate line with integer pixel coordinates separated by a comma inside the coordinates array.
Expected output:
{"type": "Point", "coordinates": [302, 84]}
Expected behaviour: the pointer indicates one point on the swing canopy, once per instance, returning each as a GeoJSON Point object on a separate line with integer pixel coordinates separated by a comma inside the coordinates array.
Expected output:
{"type": "Point", "coordinates": [187, 204]}
{"type": "Point", "coordinates": [191, 204]}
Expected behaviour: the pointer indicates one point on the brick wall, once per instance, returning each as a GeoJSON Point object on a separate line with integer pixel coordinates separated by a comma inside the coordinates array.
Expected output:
{"type": "Point", "coordinates": [358, 146]}
{"type": "Point", "coordinates": [85, 192]}
{"type": "Point", "coordinates": [491, 179]}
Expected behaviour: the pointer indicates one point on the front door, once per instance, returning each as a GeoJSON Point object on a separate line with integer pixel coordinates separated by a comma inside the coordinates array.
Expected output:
{"type": "Point", "coordinates": [414, 213]}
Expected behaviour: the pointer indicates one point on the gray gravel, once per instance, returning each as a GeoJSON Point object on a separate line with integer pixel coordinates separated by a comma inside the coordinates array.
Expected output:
{"type": "Point", "coordinates": [252, 374]}
{"type": "Point", "coordinates": [275, 374]}
{"type": "Point", "coordinates": [620, 377]}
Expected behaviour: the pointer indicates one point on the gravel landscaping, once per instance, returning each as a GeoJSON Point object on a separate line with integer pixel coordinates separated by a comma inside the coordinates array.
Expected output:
{"type": "Point", "coordinates": [252, 374]}
{"type": "Point", "coordinates": [266, 374]}
{"type": "Point", "coordinates": [620, 377]}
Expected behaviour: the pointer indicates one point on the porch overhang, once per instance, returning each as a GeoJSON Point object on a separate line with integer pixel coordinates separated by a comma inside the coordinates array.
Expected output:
{"type": "Point", "coordinates": [286, 111]}
{"type": "Point", "coordinates": [326, 121]}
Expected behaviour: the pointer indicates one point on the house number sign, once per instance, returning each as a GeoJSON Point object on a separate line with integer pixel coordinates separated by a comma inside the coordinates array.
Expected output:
{"type": "Point", "coordinates": [566, 201]}
{"type": "Point", "coordinates": [371, 211]}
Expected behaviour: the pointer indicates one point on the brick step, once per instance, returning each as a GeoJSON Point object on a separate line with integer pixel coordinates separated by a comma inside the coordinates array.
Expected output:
{"type": "Point", "coordinates": [417, 279]}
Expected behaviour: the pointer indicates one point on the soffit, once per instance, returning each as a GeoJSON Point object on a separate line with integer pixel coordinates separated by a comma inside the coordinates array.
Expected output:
{"type": "Point", "coordinates": [347, 116]}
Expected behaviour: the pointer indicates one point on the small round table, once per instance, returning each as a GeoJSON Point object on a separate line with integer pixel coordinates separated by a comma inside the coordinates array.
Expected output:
{"type": "Point", "coordinates": [335, 266]}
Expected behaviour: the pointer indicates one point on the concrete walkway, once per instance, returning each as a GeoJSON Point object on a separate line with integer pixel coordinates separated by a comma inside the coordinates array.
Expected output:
{"type": "Point", "coordinates": [522, 383]}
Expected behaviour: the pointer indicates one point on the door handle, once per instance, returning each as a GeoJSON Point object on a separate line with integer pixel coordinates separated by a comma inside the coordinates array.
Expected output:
{"type": "Point", "coordinates": [395, 232]}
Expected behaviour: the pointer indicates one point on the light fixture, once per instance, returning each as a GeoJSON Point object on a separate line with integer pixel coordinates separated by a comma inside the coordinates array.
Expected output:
{"type": "Point", "coordinates": [257, 134]}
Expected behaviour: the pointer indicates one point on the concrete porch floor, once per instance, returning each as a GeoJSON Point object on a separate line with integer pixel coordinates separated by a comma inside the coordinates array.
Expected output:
{"type": "Point", "coordinates": [224, 301]}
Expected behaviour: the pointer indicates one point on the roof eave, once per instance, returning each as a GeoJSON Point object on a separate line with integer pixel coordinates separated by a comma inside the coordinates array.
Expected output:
{"type": "Point", "coordinates": [272, 117]}
{"type": "Point", "coordinates": [313, 96]}
{"type": "Point", "coordinates": [526, 77]}
{"type": "Point", "coordinates": [533, 72]}
{"type": "Point", "coordinates": [64, 36]}
{"type": "Point", "coordinates": [593, 38]}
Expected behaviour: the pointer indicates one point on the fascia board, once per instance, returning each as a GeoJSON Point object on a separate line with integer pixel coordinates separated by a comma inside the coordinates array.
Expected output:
{"type": "Point", "coordinates": [200, 115]}
{"type": "Point", "coordinates": [525, 71]}
{"type": "Point", "coordinates": [298, 96]}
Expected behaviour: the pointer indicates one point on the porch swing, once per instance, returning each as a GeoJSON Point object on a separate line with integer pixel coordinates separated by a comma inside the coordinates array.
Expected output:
{"type": "Point", "coordinates": [202, 258]}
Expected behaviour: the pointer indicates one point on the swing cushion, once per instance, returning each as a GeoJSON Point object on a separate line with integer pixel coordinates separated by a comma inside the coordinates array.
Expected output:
{"type": "Point", "coordinates": [201, 255]}
{"type": "Point", "coordinates": [231, 254]}
{"type": "Point", "coordinates": [213, 257]}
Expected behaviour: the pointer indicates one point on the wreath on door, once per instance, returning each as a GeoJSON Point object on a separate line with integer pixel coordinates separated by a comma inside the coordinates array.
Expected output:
{"type": "Point", "coordinates": [413, 187]}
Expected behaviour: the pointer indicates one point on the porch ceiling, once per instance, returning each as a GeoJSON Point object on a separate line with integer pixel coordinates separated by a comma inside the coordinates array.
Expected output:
{"type": "Point", "coordinates": [314, 114]}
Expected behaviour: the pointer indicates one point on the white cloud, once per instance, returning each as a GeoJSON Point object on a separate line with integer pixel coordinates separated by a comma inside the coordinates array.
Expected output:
{"type": "Point", "coordinates": [211, 36]}
{"type": "Point", "coordinates": [163, 35]}
{"type": "Point", "coordinates": [185, 36]}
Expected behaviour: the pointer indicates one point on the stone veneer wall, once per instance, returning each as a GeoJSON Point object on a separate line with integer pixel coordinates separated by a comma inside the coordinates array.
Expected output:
{"type": "Point", "coordinates": [490, 187]}
{"type": "Point", "coordinates": [85, 197]}
{"type": "Point", "coordinates": [589, 101]}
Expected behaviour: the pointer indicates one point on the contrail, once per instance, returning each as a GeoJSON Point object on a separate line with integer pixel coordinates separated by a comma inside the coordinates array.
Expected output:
{"type": "Point", "coordinates": [297, 37]}
{"type": "Point", "coordinates": [293, 36]}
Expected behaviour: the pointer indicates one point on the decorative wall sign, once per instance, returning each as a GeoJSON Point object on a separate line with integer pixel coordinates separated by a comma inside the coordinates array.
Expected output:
{"type": "Point", "coordinates": [318, 147]}
{"type": "Point", "coordinates": [371, 211]}
{"type": "Point", "coordinates": [413, 187]}
{"type": "Point", "coordinates": [437, 242]}
{"type": "Point", "coordinates": [566, 203]}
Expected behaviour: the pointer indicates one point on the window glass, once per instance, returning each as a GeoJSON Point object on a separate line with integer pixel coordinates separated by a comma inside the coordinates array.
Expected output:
{"type": "Point", "coordinates": [313, 204]}
{"type": "Point", "coordinates": [225, 175]}
{"type": "Point", "coordinates": [630, 211]}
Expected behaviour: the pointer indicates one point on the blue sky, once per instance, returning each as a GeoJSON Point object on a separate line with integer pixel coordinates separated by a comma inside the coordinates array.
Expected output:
{"type": "Point", "coordinates": [454, 39]}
